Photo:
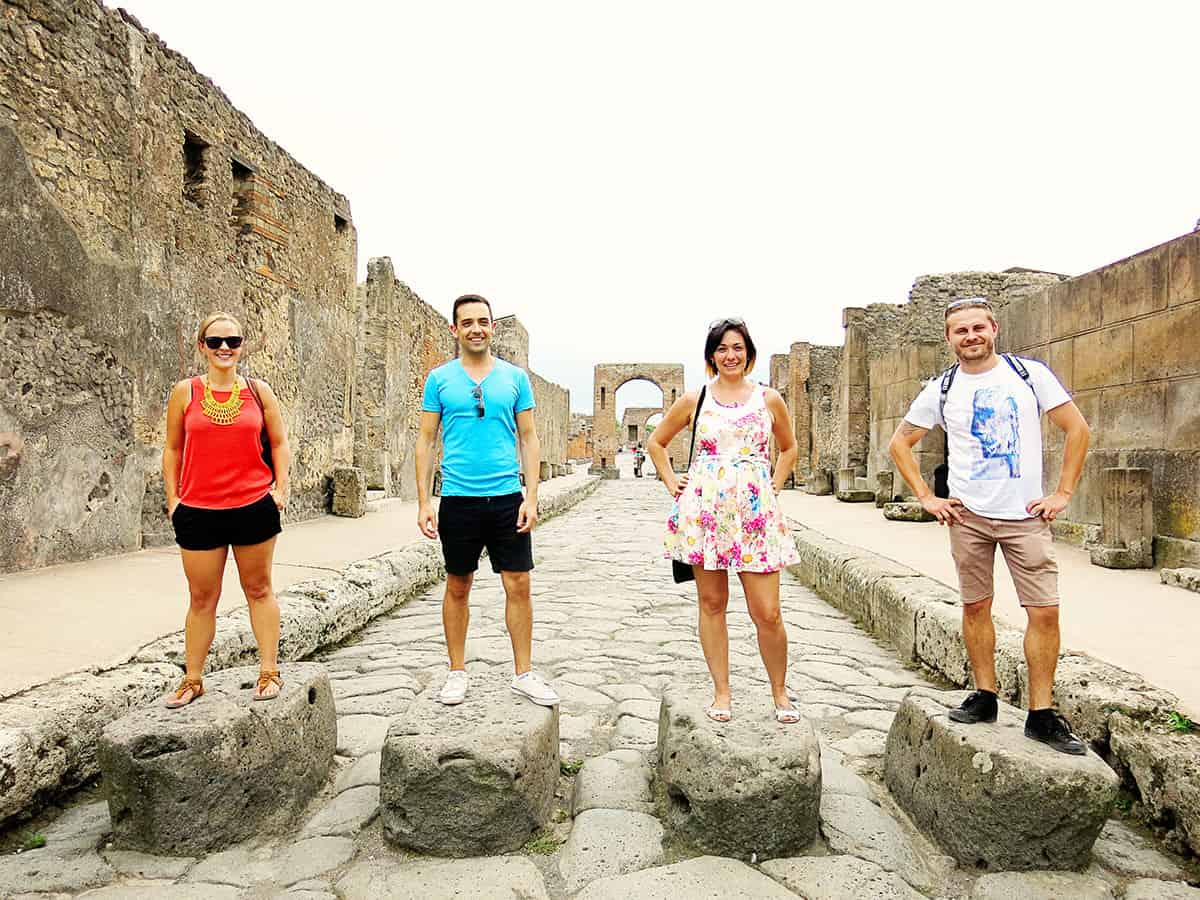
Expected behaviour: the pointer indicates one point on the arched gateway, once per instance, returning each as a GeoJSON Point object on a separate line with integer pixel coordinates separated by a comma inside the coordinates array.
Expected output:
{"type": "Point", "coordinates": [608, 378]}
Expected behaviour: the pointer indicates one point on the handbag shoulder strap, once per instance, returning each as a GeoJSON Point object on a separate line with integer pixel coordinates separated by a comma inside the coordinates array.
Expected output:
{"type": "Point", "coordinates": [254, 391]}
{"type": "Point", "coordinates": [695, 422]}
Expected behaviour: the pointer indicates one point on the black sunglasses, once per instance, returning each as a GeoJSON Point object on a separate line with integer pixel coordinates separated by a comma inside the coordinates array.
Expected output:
{"type": "Point", "coordinates": [233, 342]}
{"type": "Point", "coordinates": [725, 323]}
{"type": "Point", "coordinates": [478, 395]}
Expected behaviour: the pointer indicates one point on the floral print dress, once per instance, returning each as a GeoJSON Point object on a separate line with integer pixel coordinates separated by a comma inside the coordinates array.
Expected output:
{"type": "Point", "coordinates": [728, 516]}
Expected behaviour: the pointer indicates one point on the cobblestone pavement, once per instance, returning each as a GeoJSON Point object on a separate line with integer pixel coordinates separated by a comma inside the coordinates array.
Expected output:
{"type": "Point", "coordinates": [611, 630]}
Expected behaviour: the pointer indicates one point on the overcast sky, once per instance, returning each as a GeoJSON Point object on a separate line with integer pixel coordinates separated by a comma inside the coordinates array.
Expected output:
{"type": "Point", "coordinates": [619, 174]}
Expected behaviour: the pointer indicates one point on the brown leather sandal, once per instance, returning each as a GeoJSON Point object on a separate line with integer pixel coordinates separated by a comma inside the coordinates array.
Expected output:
{"type": "Point", "coordinates": [192, 690]}
{"type": "Point", "coordinates": [264, 683]}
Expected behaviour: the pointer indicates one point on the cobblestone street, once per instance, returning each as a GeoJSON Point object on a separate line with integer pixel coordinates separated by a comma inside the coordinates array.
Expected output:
{"type": "Point", "coordinates": [612, 631]}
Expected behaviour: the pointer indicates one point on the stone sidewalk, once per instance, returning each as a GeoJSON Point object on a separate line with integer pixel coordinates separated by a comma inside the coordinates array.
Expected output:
{"type": "Point", "coordinates": [97, 614]}
{"type": "Point", "coordinates": [1127, 618]}
{"type": "Point", "coordinates": [613, 631]}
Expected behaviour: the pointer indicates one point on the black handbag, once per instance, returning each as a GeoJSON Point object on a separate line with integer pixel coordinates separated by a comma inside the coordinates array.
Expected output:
{"type": "Point", "coordinates": [681, 571]}
{"type": "Point", "coordinates": [263, 438]}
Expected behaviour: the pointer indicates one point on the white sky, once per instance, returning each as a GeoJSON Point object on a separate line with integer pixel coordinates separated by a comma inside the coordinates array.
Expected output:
{"type": "Point", "coordinates": [619, 174]}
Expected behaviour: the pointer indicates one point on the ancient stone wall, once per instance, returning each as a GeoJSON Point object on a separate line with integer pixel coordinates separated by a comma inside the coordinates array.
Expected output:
{"type": "Point", "coordinates": [134, 200]}
{"type": "Point", "coordinates": [553, 411]}
{"type": "Point", "coordinates": [896, 379]}
{"type": "Point", "coordinates": [633, 423]}
{"type": "Point", "coordinates": [1123, 340]}
{"type": "Point", "coordinates": [579, 437]}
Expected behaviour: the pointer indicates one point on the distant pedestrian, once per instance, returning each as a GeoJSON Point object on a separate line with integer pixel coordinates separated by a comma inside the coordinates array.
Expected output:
{"type": "Point", "coordinates": [224, 488]}
{"type": "Point", "coordinates": [483, 405]}
{"type": "Point", "coordinates": [639, 460]}
{"type": "Point", "coordinates": [990, 406]}
{"type": "Point", "coordinates": [726, 516]}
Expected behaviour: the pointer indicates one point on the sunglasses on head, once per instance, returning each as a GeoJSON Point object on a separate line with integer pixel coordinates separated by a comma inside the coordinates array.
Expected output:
{"type": "Point", "coordinates": [478, 395]}
{"type": "Point", "coordinates": [968, 301]}
{"type": "Point", "coordinates": [725, 323]}
{"type": "Point", "coordinates": [233, 341]}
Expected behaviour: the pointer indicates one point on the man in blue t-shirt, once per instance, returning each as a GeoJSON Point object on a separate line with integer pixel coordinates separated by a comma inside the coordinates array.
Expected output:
{"type": "Point", "coordinates": [482, 405]}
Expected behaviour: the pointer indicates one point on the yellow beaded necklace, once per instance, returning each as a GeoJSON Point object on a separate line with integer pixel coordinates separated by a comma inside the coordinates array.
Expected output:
{"type": "Point", "coordinates": [225, 412]}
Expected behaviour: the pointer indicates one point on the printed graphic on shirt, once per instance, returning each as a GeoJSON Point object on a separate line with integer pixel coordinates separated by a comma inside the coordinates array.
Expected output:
{"type": "Point", "coordinates": [996, 423]}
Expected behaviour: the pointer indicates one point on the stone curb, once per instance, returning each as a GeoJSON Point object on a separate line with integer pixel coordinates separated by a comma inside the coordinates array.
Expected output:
{"type": "Point", "coordinates": [48, 733]}
{"type": "Point", "coordinates": [1119, 712]}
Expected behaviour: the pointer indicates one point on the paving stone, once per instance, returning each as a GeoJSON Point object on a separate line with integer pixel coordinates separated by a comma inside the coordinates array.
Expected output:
{"type": "Point", "coordinates": [575, 728]}
{"type": "Point", "coordinates": [469, 780]}
{"type": "Point", "coordinates": [752, 770]}
{"type": "Point", "coordinates": [989, 795]}
{"type": "Point", "coordinates": [162, 890]}
{"type": "Point", "coordinates": [226, 765]}
{"type": "Point", "coordinates": [865, 743]}
{"type": "Point", "coordinates": [47, 870]}
{"type": "Point", "coordinates": [79, 829]}
{"type": "Point", "coordinates": [892, 677]}
{"type": "Point", "coordinates": [1040, 886]}
{"type": "Point", "coordinates": [147, 865]}
{"type": "Point", "coordinates": [576, 697]}
{"type": "Point", "coordinates": [1154, 889]}
{"type": "Point", "coordinates": [704, 877]}
{"type": "Point", "coordinates": [485, 878]}
{"type": "Point", "coordinates": [1123, 850]}
{"type": "Point", "coordinates": [388, 704]}
{"type": "Point", "coordinates": [286, 865]}
{"type": "Point", "coordinates": [860, 827]}
{"type": "Point", "coordinates": [641, 709]}
{"type": "Point", "coordinates": [347, 814]}
{"type": "Point", "coordinates": [838, 878]}
{"type": "Point", "coordinates": [836, 778]}
{"type": "Point", "coordinates": [635, 733]}
{"type": "Point", "coordinates": [364, 770]}
{"type": "Point", "coordinates": [361, 734]}
{"type": "Point", "coordinates": [619, 779]}
{"type": "Point", "coordinates": [878, 719]}
{"type": "Point", "coordinates": [365, 685]}
{"type": "Point", "coordinates": [832, 673]}
{"type": "Point", "coordinates": [606, 842]}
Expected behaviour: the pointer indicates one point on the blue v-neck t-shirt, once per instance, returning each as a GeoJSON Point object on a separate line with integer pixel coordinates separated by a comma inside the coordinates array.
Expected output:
{"type": "Point", "coordinates": [479, 453]}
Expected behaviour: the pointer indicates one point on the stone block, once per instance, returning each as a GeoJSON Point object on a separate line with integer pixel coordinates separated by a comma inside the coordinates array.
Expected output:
{"type": "Point", "coordinates": [1183, 415]}
{"type": "Point", "coordinates": [1140, 284]}
{"type": "Point", "coordinates": [1162, 347]}
{"type": "Point", "coordinates": [225, 765]}
{"type": "Point", "coordinates": [991, 797]}
{"type": "Point", "coordinates": [856, 496]}
{"type": "Point", "coordinates": [1183, 270]}
{"type": "Point", "coordinates": [885, 488]}
{"type": "Point", "coordinates": [893, 605]}
{"type": "Point", "coordinates": [752, 771]}
{"type": "Point", "coordinates": [609, 842]}
{"type": "Point", "coordinates": [1062, 362]}
{"type": "Point", "coordinates": [839, 878]}
{"type": "Point", "coordinates": [544, 473]}
{"type": "Point", "coordinates": [1188, 579]}
{"type": "Point", "coordinates": [349, 492]}
{"type": "Point", "coordinates": [619, 779]}
{"type": "Point", "coordinates": [1128, 532]}
{"type": "Point", "coordinates": [818, 482]}
{"type": "Point", "coordinates": [1103, 358]}
{"type": "Point", "coordinates": [908, 511]}
{"type": "Point", "coordinates": [469, 780]}
{"type": "Point", "coordinates": [939, 643]}
{"type": "Point", "coordinates": [1075, 305]}
{"type": "Point", "coordinates": [1134, 415]}
{"type": "Point", "coordinates": [495, 878]}
{"type": "Point", "coordinates": [1040, 886]}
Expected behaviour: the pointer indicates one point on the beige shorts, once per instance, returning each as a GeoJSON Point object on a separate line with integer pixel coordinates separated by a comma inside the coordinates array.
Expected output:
{"type": "Point", "coordinates": [1028, 548]}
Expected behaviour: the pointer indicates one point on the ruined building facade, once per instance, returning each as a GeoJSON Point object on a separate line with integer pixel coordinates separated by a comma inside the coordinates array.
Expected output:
{"type": "Point", "coordinates": [135, 199]}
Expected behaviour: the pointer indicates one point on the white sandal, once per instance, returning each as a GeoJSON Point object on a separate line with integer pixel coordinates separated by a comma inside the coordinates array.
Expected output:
{"type": "Point", "coordinates": [718, 715]}
{"type": "Point", "coordinates": [788, 715]}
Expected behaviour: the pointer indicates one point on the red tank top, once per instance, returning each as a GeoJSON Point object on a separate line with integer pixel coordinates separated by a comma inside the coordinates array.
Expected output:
{"type": "Point", "coordinates": [223, 466]}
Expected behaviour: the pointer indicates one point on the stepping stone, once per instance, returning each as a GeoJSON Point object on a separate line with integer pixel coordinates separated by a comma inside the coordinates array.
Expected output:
{"type": "Point", "coordinates": [764, 776]}
{"type": "Point", "coordinates": [1122, 850]}
{"type": "Point", "coordinates": [704, 877]}
{"type": "Point", "coordinates": [470, 780]}
{"type": "Point", "coordinates": [189, 781]}
{"type": "Point", "coordinates": [606, 842]}
{"type": "Point", "coordinates": [990, 796]}
{"type": "Point", "coordinates": [1154, 889]}
{"type": "Point", "coordinates": [906, 512]}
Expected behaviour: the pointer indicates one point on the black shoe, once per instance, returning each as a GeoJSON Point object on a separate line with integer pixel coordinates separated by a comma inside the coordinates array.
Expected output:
{"type": "Point", "coordinates": [980, 706]}
{"type": "Point", "coordinates": [1050, 728]}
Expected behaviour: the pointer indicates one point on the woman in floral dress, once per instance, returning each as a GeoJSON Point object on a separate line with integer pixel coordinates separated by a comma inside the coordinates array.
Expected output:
{"type": "Point", "coordinates": [726, 517]}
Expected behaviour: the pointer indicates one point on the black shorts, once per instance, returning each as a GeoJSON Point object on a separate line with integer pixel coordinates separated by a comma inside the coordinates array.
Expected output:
{"type": "Point", "coordinates": [468, 524]}
{"type": "Point", "coordinates": [208, 529]}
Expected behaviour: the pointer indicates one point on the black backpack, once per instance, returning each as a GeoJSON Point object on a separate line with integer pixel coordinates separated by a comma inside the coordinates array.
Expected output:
{"type": "Point", "coordinates": [941, 473]}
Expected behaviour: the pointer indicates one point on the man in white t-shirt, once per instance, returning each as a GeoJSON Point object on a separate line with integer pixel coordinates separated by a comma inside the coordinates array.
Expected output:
{"type": "Point", "coordinates": [990, 407]}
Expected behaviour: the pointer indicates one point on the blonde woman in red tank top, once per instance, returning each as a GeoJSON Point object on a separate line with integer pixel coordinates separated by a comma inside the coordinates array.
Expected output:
{"type": "Point", "coordinates": [221, 492]}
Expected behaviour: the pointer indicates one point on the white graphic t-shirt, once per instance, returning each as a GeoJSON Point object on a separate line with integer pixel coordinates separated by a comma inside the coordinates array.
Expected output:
{"type": "Point", "coordinates": [995, 434]}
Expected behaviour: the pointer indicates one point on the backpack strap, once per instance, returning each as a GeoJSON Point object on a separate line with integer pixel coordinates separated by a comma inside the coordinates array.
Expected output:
{"type": "Point", "coordinates": [1018, 365]}
{"type": "Point", "coordinates": [947, 380]}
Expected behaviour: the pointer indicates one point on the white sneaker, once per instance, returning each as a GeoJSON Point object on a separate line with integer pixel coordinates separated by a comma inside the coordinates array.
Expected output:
{"type": "Point", "coordinates": [454, 691]}
{"type": "Point", "coordinates": [534, 686]}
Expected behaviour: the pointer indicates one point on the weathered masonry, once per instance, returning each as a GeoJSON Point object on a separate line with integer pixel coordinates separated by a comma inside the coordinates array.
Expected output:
{"type": "Point", "coordinates": [1120, 338]}
{"type": "Point", "coordinates": [135, 199]}
{"type": "Point", "coordinates": [607, 380]}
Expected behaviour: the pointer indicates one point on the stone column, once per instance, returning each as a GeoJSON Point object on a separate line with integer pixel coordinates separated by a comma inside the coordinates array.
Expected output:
{"type": "Point", "coordinates": [801, 405]}
{"type": "Point", "coordinates": [1128, 520]}
{"type": "Point", "coordinates": [853, 385]}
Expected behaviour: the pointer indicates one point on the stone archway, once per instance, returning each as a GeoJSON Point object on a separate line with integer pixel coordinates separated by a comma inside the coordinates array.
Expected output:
{"type": "Point", "coordinates": [608, 377]}
{"type": "Point", "coordinates": [633, 424]}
